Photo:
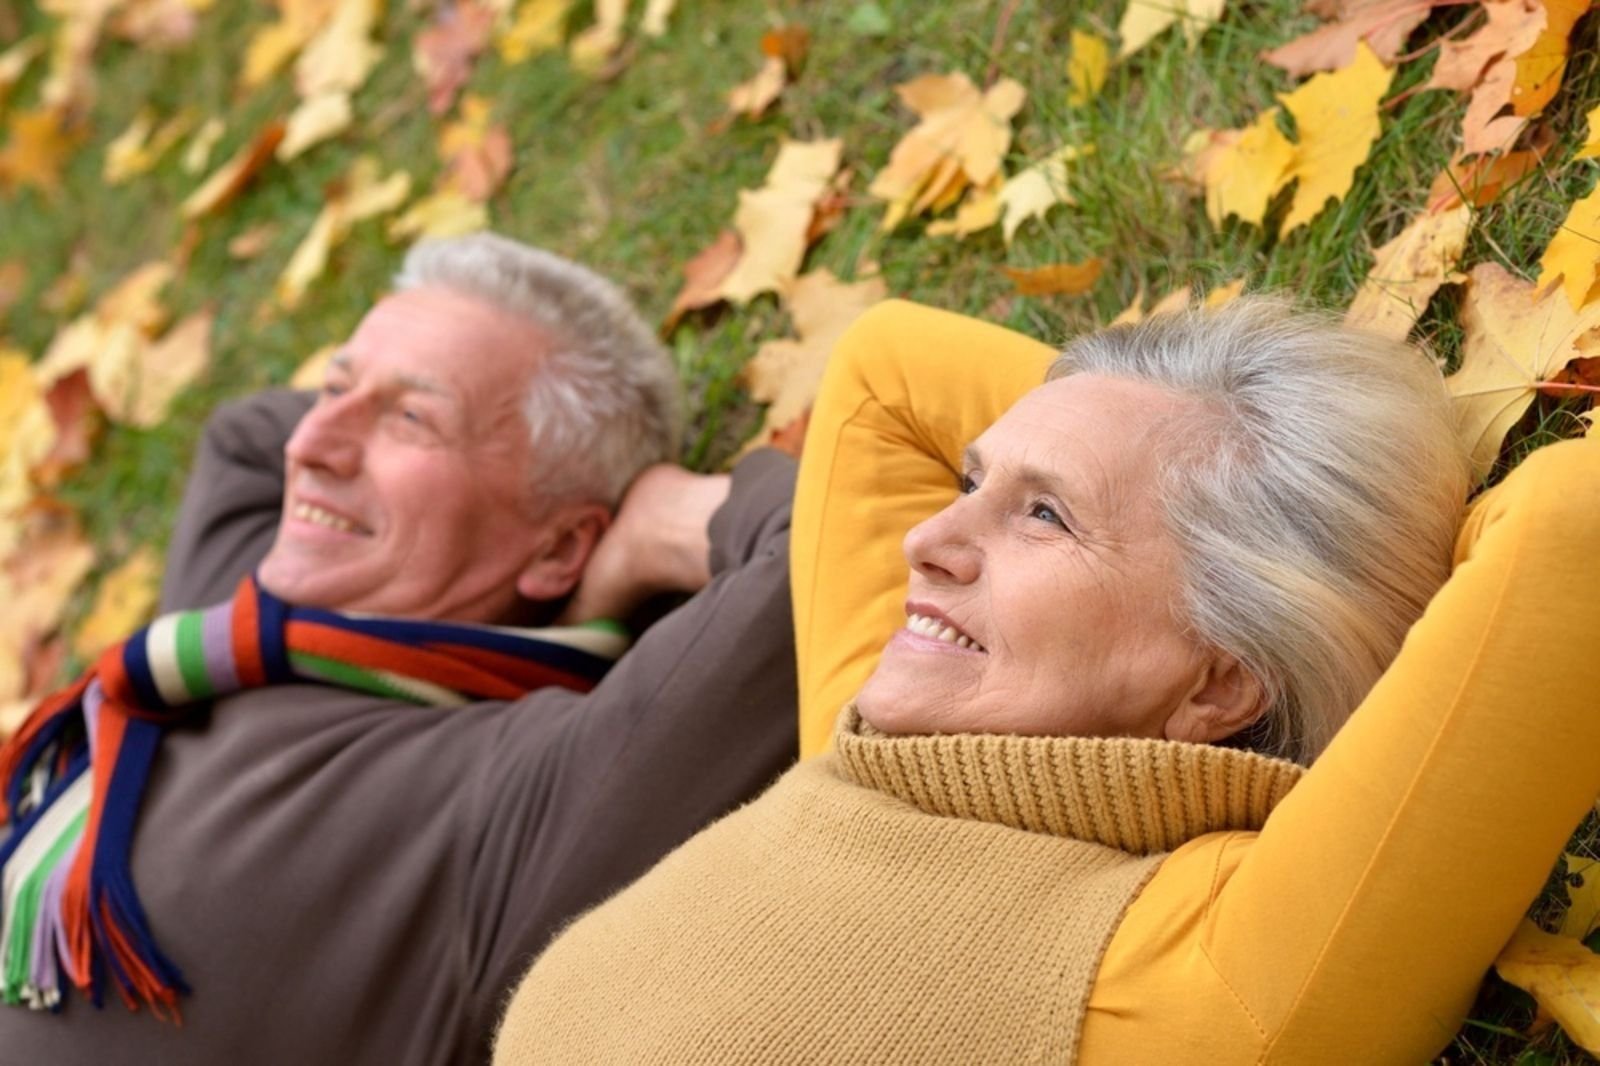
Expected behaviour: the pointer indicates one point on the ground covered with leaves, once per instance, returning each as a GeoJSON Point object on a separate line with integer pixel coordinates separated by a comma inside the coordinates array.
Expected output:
{"type": "Point", "coordinates": [199, 198]}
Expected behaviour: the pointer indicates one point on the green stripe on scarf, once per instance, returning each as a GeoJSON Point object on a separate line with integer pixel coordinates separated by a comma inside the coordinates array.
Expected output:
{"type": "Point", "coordinates": [340, 673]}
{"type": "Point", "coordinates": [20, 958]}
{"type": "Point", "coordinates": [192, 656]}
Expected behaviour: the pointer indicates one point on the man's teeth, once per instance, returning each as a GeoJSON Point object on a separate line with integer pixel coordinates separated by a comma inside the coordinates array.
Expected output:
{"type": "Point", "coordinates": [312, 513]}
{"type": "Point", "coordinates": [932, 627]}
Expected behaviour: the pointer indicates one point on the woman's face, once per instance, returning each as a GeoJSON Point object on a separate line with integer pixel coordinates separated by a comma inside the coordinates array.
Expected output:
{"type": "Point", "coordinates": [1042, 599]}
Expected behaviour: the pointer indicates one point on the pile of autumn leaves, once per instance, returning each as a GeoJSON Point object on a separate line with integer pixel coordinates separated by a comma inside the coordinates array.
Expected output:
{"type": "Point", "coordinates": [123, 360]}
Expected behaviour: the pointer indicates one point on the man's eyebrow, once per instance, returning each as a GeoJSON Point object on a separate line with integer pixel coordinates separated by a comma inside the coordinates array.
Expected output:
{"type": "Point", "coordinates": [416, 383]}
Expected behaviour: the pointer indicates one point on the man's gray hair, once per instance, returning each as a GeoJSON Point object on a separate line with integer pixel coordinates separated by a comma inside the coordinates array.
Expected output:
{"type": "Point", "coordinates": [604, 403]}
{"type": "Point", "coordinates": [1315, 496]}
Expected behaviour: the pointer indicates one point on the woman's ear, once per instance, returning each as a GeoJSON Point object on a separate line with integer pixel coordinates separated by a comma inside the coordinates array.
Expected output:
{"type": "Point", "coordinates": [562, 551]}
{"type": "Point", "coordinates": [1224, 699]}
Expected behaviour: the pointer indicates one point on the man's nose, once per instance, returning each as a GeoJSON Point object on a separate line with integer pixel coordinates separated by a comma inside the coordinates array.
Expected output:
{"type": "Point", "coordinates": [329, 437]}
{"type": "Point", "coordinates": [942, 548]}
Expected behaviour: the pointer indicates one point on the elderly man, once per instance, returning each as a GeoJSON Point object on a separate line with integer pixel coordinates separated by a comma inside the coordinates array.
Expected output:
{"type": "Point", "coordinates": [356, 871]}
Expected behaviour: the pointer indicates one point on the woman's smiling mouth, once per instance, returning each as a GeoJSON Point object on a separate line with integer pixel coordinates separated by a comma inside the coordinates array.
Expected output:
{"type": "Point", "coordinates": [938, 629]}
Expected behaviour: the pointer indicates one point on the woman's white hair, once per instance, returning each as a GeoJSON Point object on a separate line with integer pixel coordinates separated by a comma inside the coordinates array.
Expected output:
{"type": "Point", "coordinates": [1314, 494]}
{"type": "Point", "coordinates": [604, 403]}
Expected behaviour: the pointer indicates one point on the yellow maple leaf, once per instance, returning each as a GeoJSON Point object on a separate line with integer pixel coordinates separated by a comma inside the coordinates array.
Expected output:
{"type": "Point", "coordinates": [37, 149]}
{"type": "Point", "coordinates": [1223, 295]}
{"type": "Point", "coordinates": [785, 374]}
{"type": "Point", "coordinates": [136, 299]}
{"type": "Point", "coordinates": [1574, 251]}
{"type": "Point", "coordinates": [1408, 270]}
{"type": "Point", "coordinates": [774, 221]}
{"type": "Point", "coordinates": [1144, 20]}
{"type": "Point", "coordinates": [124, 601]}
{"type": "Point", "coordinates": [1241, 174]}
{"type": "Point", "coordinates": [1336, 118]}
{"type": "Point", "coordinates": [27, 432]}
{"type": "Point", "coordinates": [536, 28]}
{"type": "Point", "coordinates": [273, 45]}
{"type": "Point", "coordinates": [342, 54]}
{"type": "Point", "coordinates": [443, 213]}
{"type": "Point", "coordinates": [961, 139]}
{"type": "Point", "coordinates": [361, 195]}
{"type": "Point", "coordinates": [314, 121]}
{"type": "Point", "coordinates": [1037, 189]}
{"type": "Point", "coordinates": [1539, 69]}
{"type": "Point", "coordinates": [1087, 67]}
{"type": "Point", "coordinates": [147, 376]}
{"type": "Point", "coordinates": [1561, 975]}
{"type": "Point", "coordinates": [476, 152]}
{"type": "Point", "coordinates": [979, 211]}
{"type": "Point", "coordinates": [1514, 337]}
{"type": "Point", "coordinates": [1591, 144]}
{"type": "Point", "coordinates": [140, 147]}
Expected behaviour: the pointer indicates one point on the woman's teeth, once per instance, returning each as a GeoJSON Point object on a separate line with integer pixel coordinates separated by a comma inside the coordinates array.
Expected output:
{"type": "Point", "coordinates": [316, 515]}
{"type": "Point", "coordinates": [932, 627]}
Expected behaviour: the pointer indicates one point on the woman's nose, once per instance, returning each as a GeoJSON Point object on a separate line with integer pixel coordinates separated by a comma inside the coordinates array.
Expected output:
{"type": "Point", "coordinates": [328, 437]}
{"type": "Point", "coordinates": [942, 548]}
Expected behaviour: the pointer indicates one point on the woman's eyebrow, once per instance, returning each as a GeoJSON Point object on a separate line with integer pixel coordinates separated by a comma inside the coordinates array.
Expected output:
{"type": "Point", "coordinates": [1035, 477]}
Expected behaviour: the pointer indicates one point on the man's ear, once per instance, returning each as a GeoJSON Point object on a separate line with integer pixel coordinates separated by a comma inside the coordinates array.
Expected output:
{"type": "Point", "coordinates": [562, 551]}
{"type": "Point", "coordinates": [1223, 700]}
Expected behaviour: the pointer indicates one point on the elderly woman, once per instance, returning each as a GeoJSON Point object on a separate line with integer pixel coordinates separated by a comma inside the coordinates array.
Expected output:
{"type": "Point", "coordinates": [1065, 816]}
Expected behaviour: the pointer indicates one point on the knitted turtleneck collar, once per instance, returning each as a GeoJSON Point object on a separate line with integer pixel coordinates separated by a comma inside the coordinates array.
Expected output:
{"type": "Point", "coordinates": [1138, 796]}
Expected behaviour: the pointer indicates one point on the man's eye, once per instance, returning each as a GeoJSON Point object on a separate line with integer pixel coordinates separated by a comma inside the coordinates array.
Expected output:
{"type": "Point", "coordinates": [333, 388]}
{"type": "Point", "coordinates": [967, 485]}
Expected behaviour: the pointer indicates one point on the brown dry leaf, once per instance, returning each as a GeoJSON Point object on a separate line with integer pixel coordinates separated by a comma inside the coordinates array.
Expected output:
{"type": "Point", "coordinates": [752, 98]}
{"type": "Point", "coordinates": [476, 154]}
{"type": "Point", "coordinates": [1383, 24]}
{"type": "Point", "coordinates": [41, 140]}
{"type": "Point", "coordinates": [1336, 116]}
{"type": "Point", "coordinates": [1561, 975]}
{"type": "Point", "coordinates": [703, 277]}
{"type": "Point", "coordinates": [790, 43]}
{"type": "Point", "coordinates": [1481, 180]}
{"type": "Point", "coordinates": [342, 54]}
{"type": "Point", "coordinates": [1068, 279]}
{"type": "Point", "coordinates": [272, 46]}
{"type": "Point", "coordinates": [445, 52]}
{"type": "Point", "coordinates": [314, 121]}
{"type": "Point", "coordinates": [961, 140]}
{"type": "Point", "coordinates": [1514, 338]}
{"type": "Point", "coordinates": [253, 241]}
{"type": "Point", "coordinates": [656, 13]}
{"type": "Point", "coordinates": [785, 374]}
{"type": "Point", "coordinates": [1144, 20]}
{"type": "Point", "coordinates": [1242, 174]}
{"type": "Point", "coordinates": [229, 180]}
{"type": "Point", "coordinates": [124, 601]}
{"type": "Point", "coordinates": [14, 63]}
{"type": "Point", "coordinates": [309, 374]}
{"type": "Point", "coordinates": [77, 423]}
{"type": "Point", "coordinates": [592, 50]}
{"type": "Point", "coordinates": [1511, 28]}
{"type": "Point", "coordinates": [13, 279]}
{"type": "Point", "coordinates": [1087, 67]}
{"type": "Point", "coordinates": [445, 213]}
{"type": "Point", "coordinates": [1408, 270]}
{"type": "Point", "coordinates": [1574, 252]}
{"type": "Point", "coordinates": [774, 220]}
{"type": "Point", "coordinates": [537, 28]}
{"type": "Point", "coordinates": [362, 194]}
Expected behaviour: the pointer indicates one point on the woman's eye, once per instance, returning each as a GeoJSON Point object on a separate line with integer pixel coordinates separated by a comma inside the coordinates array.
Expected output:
{"type": "Point", "coordinates": [1045, 513]}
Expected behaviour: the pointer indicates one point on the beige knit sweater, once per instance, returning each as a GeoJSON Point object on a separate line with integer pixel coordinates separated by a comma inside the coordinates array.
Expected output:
{"type": "Point", "coordinates": [900, 900]}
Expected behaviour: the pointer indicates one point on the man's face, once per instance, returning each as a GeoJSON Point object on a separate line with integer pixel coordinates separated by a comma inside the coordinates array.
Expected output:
{"type": "Point", "coordinates": [408, 484]}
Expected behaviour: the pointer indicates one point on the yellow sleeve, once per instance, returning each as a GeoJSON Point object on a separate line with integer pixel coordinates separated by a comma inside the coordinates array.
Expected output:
{"type": "Point", "coordinates": [906, 390]}
{"type": "Point", "coordinates": [1367, 910]}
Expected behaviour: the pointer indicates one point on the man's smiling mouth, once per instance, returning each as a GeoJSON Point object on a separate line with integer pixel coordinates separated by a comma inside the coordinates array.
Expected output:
{"type": "Point", "coordinates": [939, 630]}
{"type": "Point", "coordinates": [310, 512]}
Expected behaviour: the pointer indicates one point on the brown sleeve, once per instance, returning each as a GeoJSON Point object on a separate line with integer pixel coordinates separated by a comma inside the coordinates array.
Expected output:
{"type": "Point", "coordinates": [231, 503]}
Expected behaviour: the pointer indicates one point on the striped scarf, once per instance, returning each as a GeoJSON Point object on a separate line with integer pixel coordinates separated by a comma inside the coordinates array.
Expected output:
{"type": "Point", "coordinates": [74, 773]}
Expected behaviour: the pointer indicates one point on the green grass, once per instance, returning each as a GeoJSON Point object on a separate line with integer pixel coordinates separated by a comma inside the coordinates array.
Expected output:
{"type": "Point", "coordinates": [627, 177]}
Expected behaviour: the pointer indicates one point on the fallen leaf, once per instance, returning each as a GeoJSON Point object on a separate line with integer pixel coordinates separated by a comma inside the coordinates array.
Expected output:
{"type": "Point", "coordinates": [136, 299]}
{"type": "Point", "coordinates": [1481, 180]}
{"type": "Point", "coordinates": [1144, 20]}
{"type": "Point", "coordinates": [1510, 29]}
{"type": "Point", "coordinates": [1408, 270]}
{"type": "Point", "coordinates": [1178, 299]}
{"type": "Point", "coordinates": [476, 153]}
{"type": "Point", "coordinates": [314, 121]}
{"type": "Point", "coordinates": [1087, 67]}
{"type": "Point", "coordinates": [538, 27]}
{"type": "Point", "coordinates": [1200, 152]}
{"type": "Point", "coordinates": [253, 241]}
{"type": "Point", "coordinates": [27, 433]}
{"type": "Point", "coordinates": [773, 221]}
{"type": "Point", "coordinates": [656, 13]}
{"type": "Point", "coordinates": [13, 279]}
{"type": "Point", "coordinates": [1484, 128]}
{"type": "Point", "coordinates": [1561, 975]}
{"type": "Point", "coordinates": [961, 139]}
{"type": "Point", "coordinates": [752, 98]}
{"type": "Point", "coordinates": [1574, 251]}
{"type": "Point", "coordinates": [38, 575]}
{"type": "Point", "coordinates": [1383, 24]}
{"type": "Point", "coordinates": [979, 211]}
{"type": "Point", "coordinates": [785, 374]}
{"type": "Point", "coordinates": [445, 52]}
{"type": "Point", "coordinates": [139, 391]}
{"type": "Point", "coordinates": [69, 86]}
{"type": "Point", "coordinates": [124, 601]}
{"type": "Point", "coordinates": [1035, 190]}
{"type": "Point", "coordinates": [14, 63]}
{"type": "Point", "coordinates": [1514, 337]}
{"type": "Point", "coordinates": [1133, 313]}
{"type": "Point", "coordinates": [1336, 117]}
{"type": "Point", "coordinates": [341, 55]}
{"type": "Point", "coordinates": [77, 422]}
{"type": "Point", "coordinates": [273, 45]}
{"type": "Point", "coordinates": [790, 43]}
{"type": "Point", "coordinates": [140, 147]}
{"type": "Point", "coordinates": [591, 51]}
{"type": "Point", "coordinates": [198, 153]}
{"type": "Point", "coordinates": [1223, 295]}
{"type": "Point", "coordinates": [229, 180]}
{"type": "Point", "coordinates": [1241, 175]}
{"type": "Point", "coordinates": [158, 25]}
{"type": "Point", "coordinates": [361, 195]}
{"type": "Point", "coordinates": [70, 289]}
{"type": "Point", "coordinates": [1540, 67]}
{"type": "Point", "coordinates": [1067, 279]}
{"type": "Point", "coordinates": [1591, 144]}
{"type": "Point", "coordinates": [445, 213]}
{"type": "Point", "coordinates": [703, 276]}
{"type": "Point", "coordinates": [1583, 897]}
{"type": "Point", "coordinates": [309, 374]}
{"type": "Point", "coordinates": [40, 143]}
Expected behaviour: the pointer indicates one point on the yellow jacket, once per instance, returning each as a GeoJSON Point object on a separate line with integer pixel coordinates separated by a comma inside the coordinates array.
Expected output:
{"type": "Point", "coordinates": [1357, 924]}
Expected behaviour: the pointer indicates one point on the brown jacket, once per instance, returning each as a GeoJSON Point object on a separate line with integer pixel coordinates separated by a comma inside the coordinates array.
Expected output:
{"type": "Point", "coordinates": [346, 880]}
